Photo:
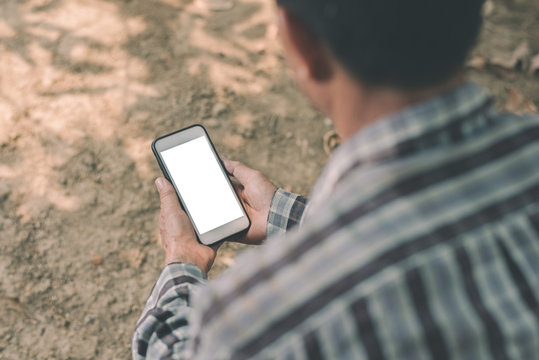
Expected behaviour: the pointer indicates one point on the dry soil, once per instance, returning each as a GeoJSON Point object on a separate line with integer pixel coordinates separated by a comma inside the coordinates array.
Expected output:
{"type": "Point", "coordinates": [85, 85]}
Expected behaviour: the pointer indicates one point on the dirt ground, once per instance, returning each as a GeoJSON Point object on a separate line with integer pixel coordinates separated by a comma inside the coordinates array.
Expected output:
{"type": "Point", "coordinates": [85, 85]}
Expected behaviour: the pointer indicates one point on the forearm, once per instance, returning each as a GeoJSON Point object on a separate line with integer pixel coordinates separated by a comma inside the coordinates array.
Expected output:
{"type": "Point", "coordinates": [286, 211]}
{"type": "Point", "coordinates": [163, 328]}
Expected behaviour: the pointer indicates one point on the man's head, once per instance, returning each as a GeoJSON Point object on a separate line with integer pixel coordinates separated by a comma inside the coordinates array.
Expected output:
{"type": "Point", "coordinates": [405, 45]}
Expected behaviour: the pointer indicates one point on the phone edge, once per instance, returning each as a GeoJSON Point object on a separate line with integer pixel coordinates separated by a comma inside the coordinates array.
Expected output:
{"type": "Point", "coordinates": [166, 175]}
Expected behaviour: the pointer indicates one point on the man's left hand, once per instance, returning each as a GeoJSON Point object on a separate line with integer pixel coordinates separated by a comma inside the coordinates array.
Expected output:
{"type": "Point", "coordinates": [178, 237]}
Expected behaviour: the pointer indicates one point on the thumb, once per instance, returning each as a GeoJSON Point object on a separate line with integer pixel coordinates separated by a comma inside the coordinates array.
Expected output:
{"type": "Point", "coordinates": [167, 194]}
{"type": "Point", "coordinates": [238, 170]}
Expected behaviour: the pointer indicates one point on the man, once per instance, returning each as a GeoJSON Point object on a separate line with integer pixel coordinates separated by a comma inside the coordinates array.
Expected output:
{"type": "Point", "coordinates": [421, 238]}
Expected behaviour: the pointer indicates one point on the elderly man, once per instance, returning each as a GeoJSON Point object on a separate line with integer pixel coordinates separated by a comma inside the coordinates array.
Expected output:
{"type": "Point", "coordinates": [421, 236]}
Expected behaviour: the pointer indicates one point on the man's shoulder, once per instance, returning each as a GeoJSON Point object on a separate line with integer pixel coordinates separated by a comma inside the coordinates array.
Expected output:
{"type": "Point", "coordinates": [377, 219]}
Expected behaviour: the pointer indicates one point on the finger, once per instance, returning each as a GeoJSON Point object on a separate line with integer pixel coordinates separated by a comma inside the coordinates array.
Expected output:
{"type": "Point", "coordinates": [229, 165]}
{"type": "Point", "coordinates": [238, 169]}
{"type": "Point", "coordinates": [237, 185]}
{"type": "Point", "coordinates": [240, 190]}
{"type": "Point", "coordinates": [167, 195]}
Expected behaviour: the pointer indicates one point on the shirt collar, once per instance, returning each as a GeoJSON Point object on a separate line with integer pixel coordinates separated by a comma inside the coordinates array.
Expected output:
{"type": "Point", "coordinates": [380, 139]}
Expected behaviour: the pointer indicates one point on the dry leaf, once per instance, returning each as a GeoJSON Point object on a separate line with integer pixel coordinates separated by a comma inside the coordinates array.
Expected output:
{"type": "Point", "coordinates": [530, 106]}
{"type": "Point", "coordinates": [501, 72]}
{"type": "Point", "coordinates": [518, 103]}
{"type": "Point", "coordinates": [477, 62]}
{"type": "Point", "coordinates": [520, 58]}
{"type": "Point", "coordinates": [534, 65]}
{"type": "Point", "coordinates": [514, 100]}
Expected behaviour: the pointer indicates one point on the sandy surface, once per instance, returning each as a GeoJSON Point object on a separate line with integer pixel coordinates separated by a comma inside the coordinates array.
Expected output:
{"type": "Point", "coordinates": [85, 85]}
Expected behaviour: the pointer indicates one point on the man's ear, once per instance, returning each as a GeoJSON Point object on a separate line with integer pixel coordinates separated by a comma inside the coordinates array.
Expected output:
{"type": "Point", "coordinates": [306, 53]}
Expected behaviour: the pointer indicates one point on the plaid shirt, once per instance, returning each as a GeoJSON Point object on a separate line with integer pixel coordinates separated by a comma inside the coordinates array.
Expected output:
{"type": "Point", "coordinates": [421, 241]}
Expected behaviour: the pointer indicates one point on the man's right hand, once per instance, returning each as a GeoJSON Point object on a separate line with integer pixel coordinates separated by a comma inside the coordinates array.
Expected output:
{"type": "Point", "coordinates": [256, 193]}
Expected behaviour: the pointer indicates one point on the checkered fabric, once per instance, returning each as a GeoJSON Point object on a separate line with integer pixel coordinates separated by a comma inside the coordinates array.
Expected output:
{"type": "Point", "coordinates": [420, 241]}
{"type": "Point", "coordinates": [286, 211]}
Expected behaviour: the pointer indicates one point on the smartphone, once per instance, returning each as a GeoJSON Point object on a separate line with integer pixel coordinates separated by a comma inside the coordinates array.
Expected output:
{"type": "Point", "coordinates": [189, 161]}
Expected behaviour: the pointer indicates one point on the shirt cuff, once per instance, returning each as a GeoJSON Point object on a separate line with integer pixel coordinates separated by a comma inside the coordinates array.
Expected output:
{"type": "Point", "coordinates": [286, 211]}
{"type": "Point", "coordinates": [163, 328]}
{"type": "Point", "coordinates": [171, 276]}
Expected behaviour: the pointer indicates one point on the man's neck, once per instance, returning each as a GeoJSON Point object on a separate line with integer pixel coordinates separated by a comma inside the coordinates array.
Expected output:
{"type": "Point", "coordinates": [354, 107]}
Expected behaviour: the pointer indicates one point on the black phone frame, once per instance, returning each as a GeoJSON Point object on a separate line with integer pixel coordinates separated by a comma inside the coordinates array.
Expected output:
{"type": "Point", "coordinates": [223, 168]}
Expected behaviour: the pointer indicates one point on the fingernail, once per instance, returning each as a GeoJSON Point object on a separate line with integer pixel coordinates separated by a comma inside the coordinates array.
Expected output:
{"type": "Point", "coordinates": [159, 182]}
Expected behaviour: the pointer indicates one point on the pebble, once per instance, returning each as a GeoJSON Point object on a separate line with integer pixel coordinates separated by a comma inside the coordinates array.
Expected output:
{"type": "Point", "coordinates": [97, 260]}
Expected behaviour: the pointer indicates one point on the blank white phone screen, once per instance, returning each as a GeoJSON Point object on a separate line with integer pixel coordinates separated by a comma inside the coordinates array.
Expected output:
{"type": "Point", "coordinates": [202, 185]}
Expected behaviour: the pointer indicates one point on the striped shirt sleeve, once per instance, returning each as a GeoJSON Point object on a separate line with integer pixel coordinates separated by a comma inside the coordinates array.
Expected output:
{"type": "Point", "coordinates": [286, 211]}
{"type": "Point", "coordinates": [162, 331]}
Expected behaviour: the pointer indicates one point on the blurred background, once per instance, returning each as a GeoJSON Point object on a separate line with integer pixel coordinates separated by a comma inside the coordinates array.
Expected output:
{"type": "Point", "coordinates": [86, 85]}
